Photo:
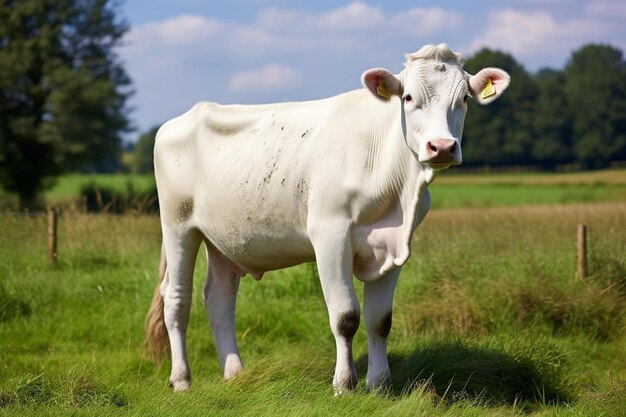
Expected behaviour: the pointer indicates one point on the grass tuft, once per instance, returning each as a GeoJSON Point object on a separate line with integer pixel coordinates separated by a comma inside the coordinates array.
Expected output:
{"type": "Point", "coordinates": [11, 306]}
{"type": "Point", "coordinates": [82, 391]}
{"type": "Point", "coordinates": [72, 390]}
{"type": "Point", "coordinates": [447, 308]}
{"type": "Point", "coordinates": [35, 390]}
{"type": "Point", "coordinates": [605, 403]}
{"type": "Point", "coordinates": [588, 308]}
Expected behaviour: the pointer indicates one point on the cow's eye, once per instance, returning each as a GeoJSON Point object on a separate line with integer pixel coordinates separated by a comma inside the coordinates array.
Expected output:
{"type": "Point", "coordinates": [466, 98]}
{"type": "Point", "coordinates": [408, 98]}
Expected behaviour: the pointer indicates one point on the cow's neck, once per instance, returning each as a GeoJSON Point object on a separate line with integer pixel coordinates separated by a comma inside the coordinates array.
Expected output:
{"type": "Point", "coordinates": [393, 168]}
{"type": "Point", "coordinates": [397, 176]}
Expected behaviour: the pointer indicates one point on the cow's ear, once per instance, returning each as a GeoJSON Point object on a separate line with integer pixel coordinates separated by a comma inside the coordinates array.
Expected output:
{"type": "Point", "coordinates": [488, 84]}
{"type": "Point", "coordinates": [382, 83]}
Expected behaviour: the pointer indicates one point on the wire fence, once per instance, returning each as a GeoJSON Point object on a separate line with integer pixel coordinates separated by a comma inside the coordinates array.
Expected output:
{"type": "Point", "coordinates": [56, 233]}
{"type": "Point", "coordinates": [115, 231]}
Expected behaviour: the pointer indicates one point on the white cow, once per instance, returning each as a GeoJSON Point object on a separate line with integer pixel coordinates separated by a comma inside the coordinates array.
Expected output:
{"type": "Point", "coordinates": [341, 181]}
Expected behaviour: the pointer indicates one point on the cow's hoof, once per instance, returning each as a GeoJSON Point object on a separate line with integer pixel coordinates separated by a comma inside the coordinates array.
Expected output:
{"type": "Point", "coordinates": [180, 381]}
{"type": "Point", "coordinates": [379, 383]}
{"type": "Point", "coordinates": [342, 386]}
{"type": "Point", "coordinates": [382, 389]}
{"type": "Point", "coordinates": [180, 385]}
{"type": "Point", "coordinates": [232, 366]}
{"type": "Point", "coordinates": [340, 391]}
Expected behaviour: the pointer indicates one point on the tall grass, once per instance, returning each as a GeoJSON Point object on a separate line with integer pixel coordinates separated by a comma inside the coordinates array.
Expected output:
{"type": "Point", "coordinates": [489, 320]}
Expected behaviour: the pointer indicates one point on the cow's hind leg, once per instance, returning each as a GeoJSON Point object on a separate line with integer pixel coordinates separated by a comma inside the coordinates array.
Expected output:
{"type": "Point", "coordinates": [181, 248]}
{"type": "Point", "coordinates": [377, 309]}
{"type": "Point", "coordinates": [220, 294]}
{"type": "Point", "coordinates": [333, 255]}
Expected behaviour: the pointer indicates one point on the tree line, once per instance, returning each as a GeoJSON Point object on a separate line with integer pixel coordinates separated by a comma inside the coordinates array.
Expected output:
{"type": "Point", "coordinates": [552, 118]}
{"type": "Point", "coordinates": [64, 92]}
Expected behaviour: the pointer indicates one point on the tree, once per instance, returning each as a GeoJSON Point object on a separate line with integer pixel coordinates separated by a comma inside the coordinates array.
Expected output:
{"type": "Point", "coordinates": [63, 90]}
{"type": "Point", "coordinates": [502, 133]}
{"type": "Point", "coordinates": [552, 121]}
{"type": "Point", "coordinates": [143, 154]}
{"type": "Point", "coordinates": [595, 87]}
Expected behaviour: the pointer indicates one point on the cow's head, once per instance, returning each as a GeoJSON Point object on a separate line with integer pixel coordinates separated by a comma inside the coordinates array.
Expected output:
{"type": "Point", "coordinates": [434, 90]}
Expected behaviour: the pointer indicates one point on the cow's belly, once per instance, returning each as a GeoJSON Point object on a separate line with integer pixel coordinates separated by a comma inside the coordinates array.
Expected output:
{"type": "Point", "coordinates": [258, 252]}
{"type": "Point", "coordinates": [257, 238]}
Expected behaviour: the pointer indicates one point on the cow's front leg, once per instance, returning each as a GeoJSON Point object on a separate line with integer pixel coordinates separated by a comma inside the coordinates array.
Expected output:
{"type": "Point", "coordinates": [333, 254]}
{"type": "Point", "coordinates": [377, 309]}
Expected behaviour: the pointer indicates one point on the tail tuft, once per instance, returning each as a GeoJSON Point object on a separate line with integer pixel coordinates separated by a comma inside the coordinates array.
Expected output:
{"type": "Point", "coordinates": [157, 342]}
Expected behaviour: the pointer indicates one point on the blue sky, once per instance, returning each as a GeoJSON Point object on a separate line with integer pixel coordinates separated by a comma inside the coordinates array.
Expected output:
{"type": "Point", "coordinates": [179, 52]}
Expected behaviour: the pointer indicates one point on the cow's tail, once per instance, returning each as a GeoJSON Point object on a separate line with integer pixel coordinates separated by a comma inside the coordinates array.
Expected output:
{"type": "Point", "coordinates": [156, 342]}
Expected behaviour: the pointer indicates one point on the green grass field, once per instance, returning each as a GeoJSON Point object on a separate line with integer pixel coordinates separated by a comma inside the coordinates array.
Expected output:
{"type": "Point", "coordinates": [489, 320]}
{"type": "Point", "coordinates": [452, 190]}
{"type": "Point", "coordinates": [70, 185]}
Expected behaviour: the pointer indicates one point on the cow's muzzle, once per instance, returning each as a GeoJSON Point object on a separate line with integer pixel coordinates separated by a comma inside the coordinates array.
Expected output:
{"type": "Point", "coordinates": [442, 153]}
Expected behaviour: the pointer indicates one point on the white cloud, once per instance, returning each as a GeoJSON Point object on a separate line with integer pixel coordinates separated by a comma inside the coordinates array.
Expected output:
{"type": "Point", "coordinates": [271, 77]}
{"type": "Point", "coordinates": [176, 31]}
{"type": "Point", "coordinates": [357, 17]}
{"type": "Point", "coordinates": [424, 21]}
{"type": "Point", "coordinates": [282, 31]}
{"type": "Point", "coordinates": [354, 16]}
{"type": "Point", "coordinates": [520, 33]}
{"type": "Point", "coordinates": [535, 34]}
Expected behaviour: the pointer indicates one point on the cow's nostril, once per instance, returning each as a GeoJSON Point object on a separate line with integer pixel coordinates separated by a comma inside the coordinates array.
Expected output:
{"type": "Point", "coordinates": [432, 147]}
{"type": "Point", "coordinates": [453, 147]}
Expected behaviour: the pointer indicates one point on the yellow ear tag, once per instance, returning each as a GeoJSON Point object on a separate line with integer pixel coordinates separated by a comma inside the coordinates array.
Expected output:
{"type": "Point", "coordinates": [381, 90]}
{"type": "Point", "coordinates": [488, 91]}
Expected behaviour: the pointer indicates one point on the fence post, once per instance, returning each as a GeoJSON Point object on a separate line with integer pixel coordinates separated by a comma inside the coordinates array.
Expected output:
{"type": "Point", "coordinates": [582, 251]}
{"type": "Point", "coordinates": [52, 235]}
